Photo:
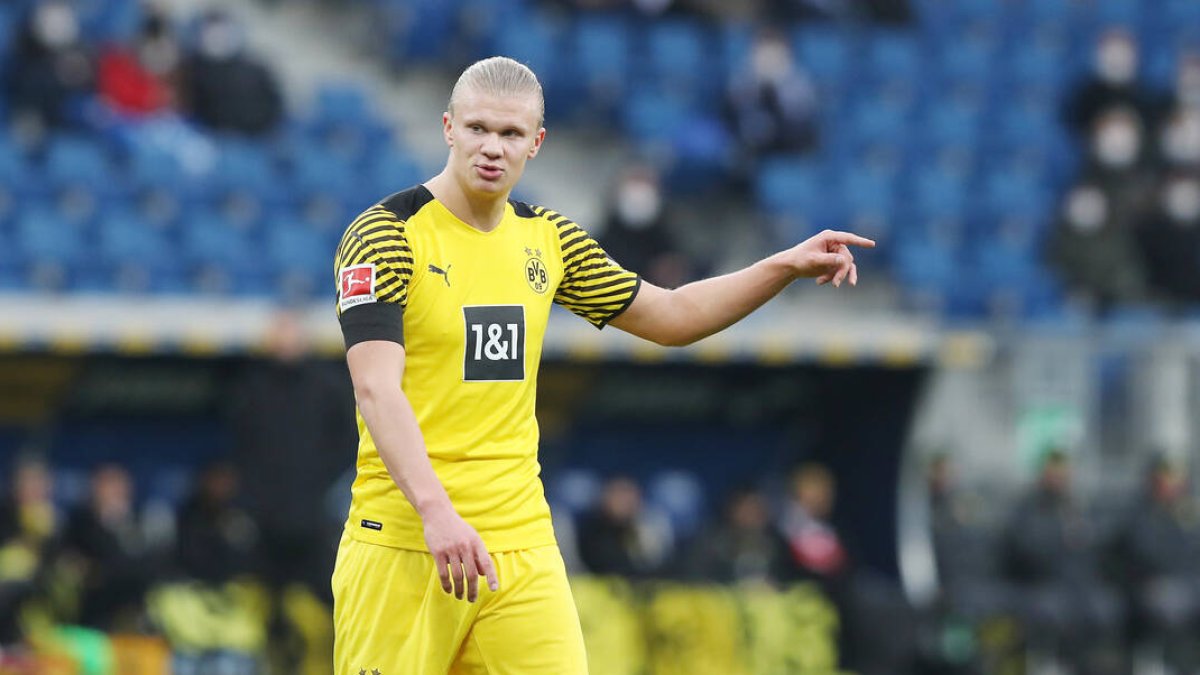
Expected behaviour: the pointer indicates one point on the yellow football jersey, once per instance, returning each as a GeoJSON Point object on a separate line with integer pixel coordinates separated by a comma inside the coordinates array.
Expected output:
{"type": "Point", "coordinates": [470, 308]}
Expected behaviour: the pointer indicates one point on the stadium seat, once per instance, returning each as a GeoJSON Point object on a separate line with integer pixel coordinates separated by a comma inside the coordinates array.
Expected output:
{"type": "Point", "coordinates": [80, 163]}
{"type": "Point", "coordinates": [893, 56]}
{"type": "Point", "coordinates": [824, 51]}
{"type": "Point", "coordinates": [573, 489]}
{"type": "Point", "coordinates": [223, 258]}
{"type": "Point", "coordinates": [680, 495]}
{"type": "Point", "coordinates": [677, 52]}
{"type": "Point", "coordinates": [43, 234]}
{"type": "Point", "coordinates": [601, 48]}
{"type": "Point", "coordinates": [300, 256]}
{"type": "Point", "coordinates": [786, 186]}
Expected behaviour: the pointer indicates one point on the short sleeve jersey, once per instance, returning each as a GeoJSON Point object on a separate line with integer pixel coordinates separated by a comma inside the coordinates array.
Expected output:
{"type": "Point", "coordinates": [471, 309]}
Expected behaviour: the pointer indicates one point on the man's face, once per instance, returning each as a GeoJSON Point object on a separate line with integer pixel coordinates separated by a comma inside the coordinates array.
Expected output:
{"type": "Point", "coordinates": [490, 138]}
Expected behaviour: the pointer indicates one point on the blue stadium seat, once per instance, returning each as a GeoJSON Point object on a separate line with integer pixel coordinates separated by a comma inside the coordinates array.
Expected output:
{"type": "Point", "coordinates": [602, 47]}
{"type": "Point", "coordinates": [127, 238]}
{"type": "Point", "coordinates": [948, 124]}
{"type": "Point", "coordinates": [653, 115]}
{"type": "Point", "coordinates": [576, 490]}
{"type": "Point", "coordinates": [51, 252]}
{"type": "Point", "coordinates": [245, 165]}
{"type": "Point", "coordinates": [539, 45]}
{"type": "Point", "coordinates": [389, 172]}
{"type": "Point", "coordinates": [786, 186]}
{"type": "Point", "coordinates": [868, 192]}
{"type": "Point", "coordinates": [939, 192]}
{"type": "Point", "coordinates": [81, 163]}
{"type": "Point", "coordinates": [826, 52]}
{"type": "Point", "coordinates": [300, 256]}
{"type": "Point", "coordinates": [678, 54]}
{"type": "Point", "coordinates": [894, 56]}
{"type": "Point", "coordinates": [223, 257]}
{"type": "Point", "coordinates": [680, 495]}
{"type": "Point", "coordinates": [968, 61]}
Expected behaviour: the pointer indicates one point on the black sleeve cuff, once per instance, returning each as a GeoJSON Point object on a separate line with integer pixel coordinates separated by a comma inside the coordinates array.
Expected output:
{"type": "Point", "coordinates": [375, 321]}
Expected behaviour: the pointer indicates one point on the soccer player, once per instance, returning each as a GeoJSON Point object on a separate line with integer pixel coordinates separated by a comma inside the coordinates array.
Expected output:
{"type": "Point", "coordinates": [444, 291]}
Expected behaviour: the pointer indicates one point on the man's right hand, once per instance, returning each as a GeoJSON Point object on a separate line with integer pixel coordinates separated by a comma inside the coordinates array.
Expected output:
{"type": "Point", "coordinates": [459, 553]}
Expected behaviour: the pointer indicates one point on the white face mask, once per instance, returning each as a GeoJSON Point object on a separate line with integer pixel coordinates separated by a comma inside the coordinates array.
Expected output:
{"type": "Point", "coordinates": [1188, 84]}
{"type": "Point", "coordinates": [220, 40]}
{"type": "Point", "coordinates": [771, 61]}
{"type": "Point", "coordinates": [56, 26]}
{"type": "Point", "coordinates": [1117, 61]}
{"type": "Point", "coordinates": [1181, 139]}
{"type": "Point", "coordinates": [1182, 201]}
{"type": "Point", "coordinates": [1118, 144]}
{"type": "Point", "coordinates": [638, 204]}
{"type": "Point", "coordinates": [1087, 209]}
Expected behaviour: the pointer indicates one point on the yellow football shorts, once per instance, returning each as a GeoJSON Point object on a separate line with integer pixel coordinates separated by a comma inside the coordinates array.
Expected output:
{"type": "Point", "coordinates": [391, 616]}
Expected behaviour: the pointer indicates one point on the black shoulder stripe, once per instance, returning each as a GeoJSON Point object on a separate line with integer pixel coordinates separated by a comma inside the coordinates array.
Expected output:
{"type": "Point", "coordinates": [522, 209]}
{"type": "Point", "coordinates": [406, 204]}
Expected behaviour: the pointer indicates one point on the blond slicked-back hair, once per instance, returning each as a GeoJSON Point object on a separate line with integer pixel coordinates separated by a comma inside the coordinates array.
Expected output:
{"type": "Point", "coordinates": [499, 76]}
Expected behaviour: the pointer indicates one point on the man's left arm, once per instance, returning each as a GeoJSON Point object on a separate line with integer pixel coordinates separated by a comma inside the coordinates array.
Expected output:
{"type": "Point", "coordinates": [695, 311]}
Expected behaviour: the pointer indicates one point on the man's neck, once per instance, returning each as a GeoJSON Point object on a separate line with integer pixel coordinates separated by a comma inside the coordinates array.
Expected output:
{"type": "Point", "coordinates": [483, 214]}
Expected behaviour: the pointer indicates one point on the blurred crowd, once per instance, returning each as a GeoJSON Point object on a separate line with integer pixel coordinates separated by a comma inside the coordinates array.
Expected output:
{"type": "Point", "coordinates": [1128, 231]}
{"type": "Point", "coordinates": [884, 11]}
{"type": "Point", "coordinates": [1092, 588]}
{"type": "Point", "coordinates": [233, 575]}
{"type": "Point", "coordinates": [59, 78]}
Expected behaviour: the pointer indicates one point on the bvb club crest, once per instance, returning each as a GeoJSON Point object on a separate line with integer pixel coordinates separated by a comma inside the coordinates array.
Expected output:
{"type": "Point", "coordinates": [535, 271]}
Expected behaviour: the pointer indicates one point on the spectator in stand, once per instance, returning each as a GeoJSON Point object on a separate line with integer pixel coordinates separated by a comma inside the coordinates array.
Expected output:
{"type": "Point", "coordinates": [293, 438]}
{"type": "Point", "coordinates": [28, 529]}
{"type": "Point", "coordinates": [1179, 139]}
{"type": "Point", "coordinates": [771, 101]}
{"type": "Point", "coordinates": [106, 539]}
{"type": "Point", "coordinates": [1170, 240]}
{"type": "Point", "coordinates": [1094, 242]}
{"type": "Point", "coordinates": [815, 546]}
{"type": "Point", "coordinates": [1113, 84]}
{"type": "Point", "coordinates": [1051, 551]}
{"type": "Point", "coordinates": [1160, 551]}
{"type": "Point", "coordinates": [216, 539]}
{"type": "Point", "coordinates": [638, 232]}
{"type": "Point", "coordinates": [1187, 82]}
{"type": "Point", "coordinates": [963, 549]}
{"type": "Point", "coordinates": [51, 72]}
{"type": "Point", "coordinates": [619, 537]}
{"type": "Point", "coordinates": [226, 88]}
{"type": "Point", "coordinates": [142, 78]}
{"type": "Point", "coordinates": [882, 11]}
{"type": "Point", "coordinates": [743, 547]}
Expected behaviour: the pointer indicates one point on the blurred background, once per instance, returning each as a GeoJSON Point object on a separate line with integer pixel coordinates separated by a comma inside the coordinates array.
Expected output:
{"type": "Point", "coordinates": [976, 461]}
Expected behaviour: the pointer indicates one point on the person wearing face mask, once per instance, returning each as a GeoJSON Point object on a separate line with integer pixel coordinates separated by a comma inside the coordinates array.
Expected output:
{"type": "Point", "coordinates": [225, 88]}
{"type": "Point", "coordinates": [772, 104]}
{"type": "Point", "coordinates": [1093, 244]}
{"type": "Point", "coordinates": [51, 72]}
{"type": "Point", "coordinates": [638, 230]}
{"type": "Point", "coordinates": [1170, 240]}
{"type": "Point", "coordinates": [1113, 83]}
{"type": "Point", "coordinates": [140, 79]}
{"type": "Point", "coordinates": [1179, 140]}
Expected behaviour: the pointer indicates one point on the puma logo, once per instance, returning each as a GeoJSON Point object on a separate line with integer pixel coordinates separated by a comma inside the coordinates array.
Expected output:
{"type": "Point", "coordinates": [444, 272]}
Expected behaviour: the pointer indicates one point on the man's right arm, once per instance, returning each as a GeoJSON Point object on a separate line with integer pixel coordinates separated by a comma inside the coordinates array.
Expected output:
{"type": "Point", "coordinates": [376, 368]}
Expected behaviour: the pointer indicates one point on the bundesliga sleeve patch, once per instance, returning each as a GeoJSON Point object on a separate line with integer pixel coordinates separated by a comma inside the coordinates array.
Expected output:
{"type": "Point", "coordinates": [356, 285]}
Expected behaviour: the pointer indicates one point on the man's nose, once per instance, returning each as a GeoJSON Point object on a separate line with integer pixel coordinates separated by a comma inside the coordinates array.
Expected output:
{"type": "Point", "coordinates": [492, 147]}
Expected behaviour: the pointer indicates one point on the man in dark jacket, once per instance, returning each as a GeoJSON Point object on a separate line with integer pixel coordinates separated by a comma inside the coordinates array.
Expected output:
{"type": "Point", "coordinates": [1160, 552]}
{"type": "Point", "coordinates": [1051, 553]}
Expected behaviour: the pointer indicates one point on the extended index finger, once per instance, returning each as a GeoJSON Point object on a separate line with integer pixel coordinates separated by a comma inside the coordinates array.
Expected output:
{"type": "Point", "coordinates": [849, 238]}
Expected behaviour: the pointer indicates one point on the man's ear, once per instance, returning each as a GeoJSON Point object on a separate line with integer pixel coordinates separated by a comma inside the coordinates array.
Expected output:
{"type": "Point", "coordinates": [448, 128]}
{"type": "Point", "coordinates": [537, 142]}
